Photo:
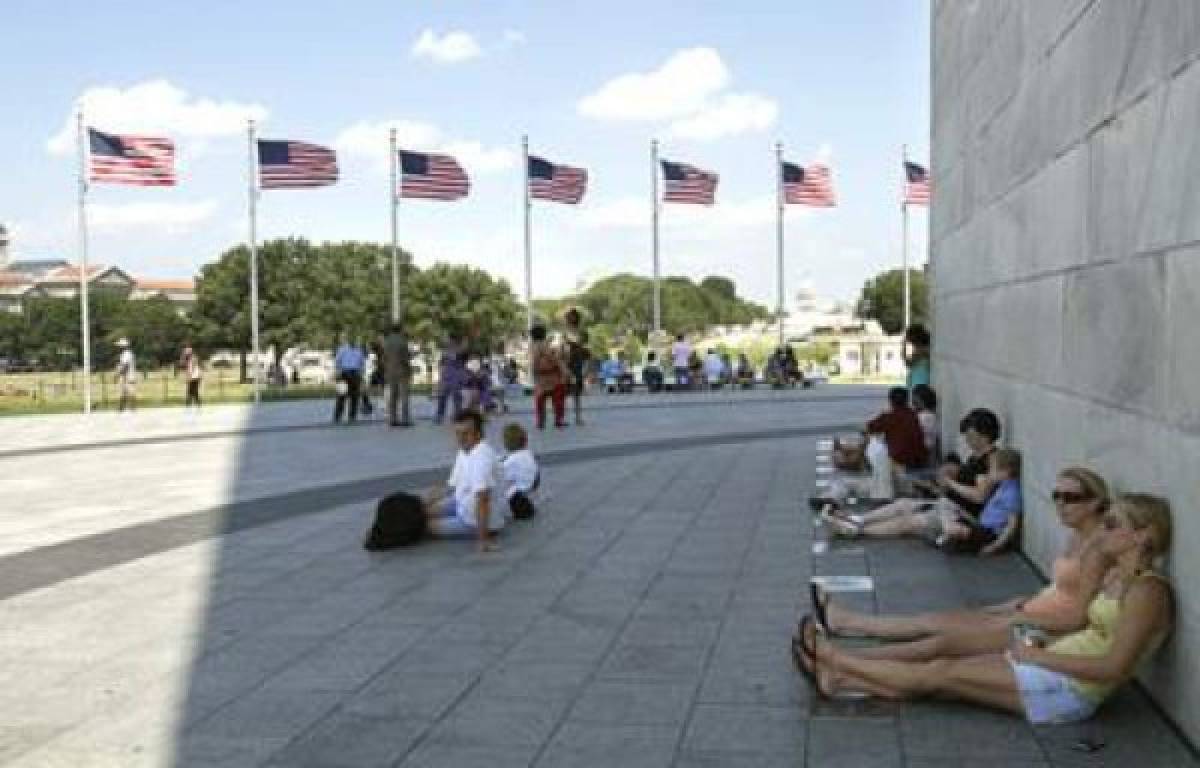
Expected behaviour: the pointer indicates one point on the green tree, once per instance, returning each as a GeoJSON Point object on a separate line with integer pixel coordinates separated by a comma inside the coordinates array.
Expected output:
{"type": "Point", "coordinates": [455, 299]}
{"type": "Point", "coordinates": [882, 299]}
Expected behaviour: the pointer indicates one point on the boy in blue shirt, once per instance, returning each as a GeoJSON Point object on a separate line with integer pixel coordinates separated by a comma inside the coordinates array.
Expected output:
{"type": "Point", "coordinates": [993, 531]}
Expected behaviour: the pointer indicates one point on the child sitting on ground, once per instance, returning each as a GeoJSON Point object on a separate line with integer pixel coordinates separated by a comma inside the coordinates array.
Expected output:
{"type": "Point", "coordinates": [997, 524]}
{"type": "Point", "coordinates": [522, 476]}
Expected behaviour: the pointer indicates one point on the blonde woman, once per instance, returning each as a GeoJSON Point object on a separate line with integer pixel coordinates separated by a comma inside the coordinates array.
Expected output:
{"type": "Point", "coordinates": [1063, 682]}
{"type": "Point", "coordinates": [1080, 498]}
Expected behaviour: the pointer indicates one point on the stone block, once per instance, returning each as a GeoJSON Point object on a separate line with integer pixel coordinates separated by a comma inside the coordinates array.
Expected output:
{"type": "Point", "coordinates": [746, 729]}
{"type": "Point", "coordinates": [345, 740]}
{"type": "Point", "coordinates": [1115, 333]}
{"type": "Point", "coordinates": [1168, 216]}
{"type": "Point", "coordinates": [1122, 156]}
{"type": "Point", "coordinates": [865, 742]}
{"type": "Point", "coordinates": [616, 703]}
{"type": "Point", "coordinates": [1182, 397]}
{"type": "Point", "coordinates": [1056, 232]}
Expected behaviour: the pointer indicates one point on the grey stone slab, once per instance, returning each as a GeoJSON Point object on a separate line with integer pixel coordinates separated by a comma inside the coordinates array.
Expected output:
{"type": "Point", "coordinates": [534, 680]}
{"type": "Point", "coordinates": [634, 703]}
{"type": "Point", "coordinates": [591, 744]}
{"type": "Point", "coordinates": [654, 662]}
{"type": "Point", "coordinates": [848, 743]}
{"type": "Point", "coordinates": [443, 755]}
{"type": "Point", "coordinates": [743, 728]}
{"type": "Point", "coordinates": [650, 630]}
{"type": "Point", "coordinates": [268, 715]}
{"type": "Point", "coordinates": [398, 693]}
{"type": "Point", "coordinates": [483, 720]}
{"type": "Point", "coordinates": [345, 663]}
{"type": "Point", "coordinates": [347, 740]}
{"type": "Point", "coordinates": [937, 730]}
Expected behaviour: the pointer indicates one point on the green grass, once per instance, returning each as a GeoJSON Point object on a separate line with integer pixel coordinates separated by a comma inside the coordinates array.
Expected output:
{"type": "Point", "coordinates": [37, 393]}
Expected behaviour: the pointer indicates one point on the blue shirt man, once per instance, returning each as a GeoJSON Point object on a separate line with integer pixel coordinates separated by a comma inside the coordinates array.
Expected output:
{"type": "Point", "coordinates": [349, 358]}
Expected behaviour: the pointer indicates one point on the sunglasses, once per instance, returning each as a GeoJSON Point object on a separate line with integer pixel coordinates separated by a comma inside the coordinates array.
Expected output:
{"type": "Point", "coordinates": [1069, 497]}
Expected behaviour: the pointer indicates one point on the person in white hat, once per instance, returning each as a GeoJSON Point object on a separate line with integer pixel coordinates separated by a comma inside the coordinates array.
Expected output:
{"type": "Point", "coordinates": [126, 376]}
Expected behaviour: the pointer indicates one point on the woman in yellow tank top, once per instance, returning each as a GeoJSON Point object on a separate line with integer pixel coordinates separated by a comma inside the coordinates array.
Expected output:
{"type": "Point", "coordinates": [1065, 682]}
{"type": "Point", "coordinates": [1080, 498]}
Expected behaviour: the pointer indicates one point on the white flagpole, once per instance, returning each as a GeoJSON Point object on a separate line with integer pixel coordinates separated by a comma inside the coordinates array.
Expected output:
{"type": "Point", "coordinates": [252, 184]}
{"type": "Point", "coordinates": [654, 236]}
{"type": "Point", "coordinates": [85, 321]}
{"type": "Point", "coordinates": [904, 239]}
{"type": "Point", "coordinates": [394, 196]}
{"type": "Point", "coordinates": [779, 203]}
{"type": "Point", "coordinates": [527, 206]}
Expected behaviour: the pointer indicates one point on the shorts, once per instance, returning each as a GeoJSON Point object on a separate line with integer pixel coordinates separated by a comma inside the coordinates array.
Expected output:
{"type": "Point", "coordinates": [448, 525]}
{"type": "Point", "coordinates": [1050, 698]}
{"type": "Point", "coordinates": [944, 512]}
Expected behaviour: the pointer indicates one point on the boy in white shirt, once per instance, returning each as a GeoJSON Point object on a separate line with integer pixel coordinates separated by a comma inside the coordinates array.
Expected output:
{"type": "Point", "coordinates": [470, 510]}
{"type": "Point", "coordinates": [522, 476]}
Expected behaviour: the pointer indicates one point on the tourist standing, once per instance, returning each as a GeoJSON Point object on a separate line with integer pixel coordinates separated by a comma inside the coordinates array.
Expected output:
{"type": "Point", "coordinates": [348, 366]}
{"type": "Point", "coordinates": [916, 355]}
{"type": "Point", "coordinates": [681, 354]}
{"type": "Point", "coordinates": [397, 372]}
{"type": "Point", "coordinates": [451, 377]}
{"type": "Point", "coordinates": [126, 375]}
{"type": "Point", "coordinates": [549, 376]}
{"type": "Point", "coordinates": [577, 358]}
{"type": "Point", "coordinates": [189, 364]}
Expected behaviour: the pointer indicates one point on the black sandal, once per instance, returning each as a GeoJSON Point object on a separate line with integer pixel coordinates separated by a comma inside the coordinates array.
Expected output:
{"type": "Point", "coordinates": [804, 656]}
{"type": "Point", "coordinates": [819, 606]}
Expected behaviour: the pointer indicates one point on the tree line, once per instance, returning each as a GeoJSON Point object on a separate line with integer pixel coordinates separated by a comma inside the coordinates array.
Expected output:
{"type": "Point", "coordinates": [309, 293]}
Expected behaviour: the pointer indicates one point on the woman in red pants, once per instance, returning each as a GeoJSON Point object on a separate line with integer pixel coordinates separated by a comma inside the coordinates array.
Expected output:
{"type": "Point", "coordinates": [549, 379]}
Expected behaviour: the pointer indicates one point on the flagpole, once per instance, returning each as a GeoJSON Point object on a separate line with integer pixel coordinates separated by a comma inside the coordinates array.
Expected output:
{"type": "Point", "coordinates": [779, 203]}
{"type": "Point", "coordinates": [528, 206]}
{"type": "Point", "coordinates": [394, 196]}
{"type": "Point", "coordinates": [904, 239]}
{"type": "Point", "coordinates": [84, 315]}
{"type": "Point", "coordinates": [252, 190]}
{"type": "Point", "coordinates": [654, 236]}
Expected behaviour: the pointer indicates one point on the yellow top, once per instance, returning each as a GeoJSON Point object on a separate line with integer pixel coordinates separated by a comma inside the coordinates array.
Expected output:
{"type": "Point", "coordinates": [1104, 614]}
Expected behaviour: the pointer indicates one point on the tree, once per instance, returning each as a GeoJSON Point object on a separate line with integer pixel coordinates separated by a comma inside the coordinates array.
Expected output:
{"type": "Point", "coordinates": [882, 299]}
{"type": "Point", "coordinates": [455, 299]}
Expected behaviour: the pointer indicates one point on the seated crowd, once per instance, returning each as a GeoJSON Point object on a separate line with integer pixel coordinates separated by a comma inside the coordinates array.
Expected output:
{"type": "Point", "coordinates": [1052, 657]}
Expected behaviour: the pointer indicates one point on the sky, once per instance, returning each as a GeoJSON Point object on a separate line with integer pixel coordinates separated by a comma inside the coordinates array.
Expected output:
{"type": "Point", "coordinates": [718, 83]}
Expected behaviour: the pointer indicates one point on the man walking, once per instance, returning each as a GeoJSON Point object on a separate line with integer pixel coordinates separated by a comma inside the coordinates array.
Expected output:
{"type": "Point", "coordinates": [397, 372]}
{"type": "Point", "coordinates": [348, 365]}
{"type": "Point", "coordinates": [126, 376]}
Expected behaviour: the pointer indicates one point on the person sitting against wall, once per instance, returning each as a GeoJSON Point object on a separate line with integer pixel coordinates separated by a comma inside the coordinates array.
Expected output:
{"type": "Point", "coordinates": [961, 487]}
{"type": "Point", "coordinates": [1061, 681]}
{"type": "Point", "coordinates": [1080, 499]}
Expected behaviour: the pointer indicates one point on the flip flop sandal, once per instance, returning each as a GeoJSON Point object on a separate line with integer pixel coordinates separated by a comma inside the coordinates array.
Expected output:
{"type": "Point", "coordinates": [804, 658]}
{"type": "Point", "coordinates": [820, 602]}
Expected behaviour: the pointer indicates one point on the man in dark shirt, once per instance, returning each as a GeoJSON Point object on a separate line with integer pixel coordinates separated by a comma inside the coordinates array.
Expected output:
{"type": "Point", "coordinates": [901, 430]}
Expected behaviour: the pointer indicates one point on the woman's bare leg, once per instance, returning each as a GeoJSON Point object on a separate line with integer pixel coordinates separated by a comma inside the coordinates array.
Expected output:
{"type": "Point", "coordinates": [907, 627]}
{"type": "Point", "coordinates": [986, 638]}
{"type": "Point", "coordinates": [893, 509]}
{"type": "Point", "coordinates": [907, 524]}
{"type": "Point", "coordinates": [986, 680]}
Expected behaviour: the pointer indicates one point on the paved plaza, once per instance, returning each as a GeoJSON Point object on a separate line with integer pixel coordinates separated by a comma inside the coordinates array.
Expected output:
{"type": "Point", "coordinates": [189, 589]}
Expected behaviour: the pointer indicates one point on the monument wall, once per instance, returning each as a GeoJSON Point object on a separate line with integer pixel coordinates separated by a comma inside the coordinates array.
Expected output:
{"type": "Point", "coordinates": [1065, 254]}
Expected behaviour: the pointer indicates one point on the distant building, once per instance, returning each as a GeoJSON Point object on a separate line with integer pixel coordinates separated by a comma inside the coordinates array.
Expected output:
{"type": "Point", "coordinates": [862, 348]}
{"type": "Point", "coordinates": [23, 280]}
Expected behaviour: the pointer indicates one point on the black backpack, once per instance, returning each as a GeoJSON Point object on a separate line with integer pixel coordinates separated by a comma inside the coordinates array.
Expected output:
{"type": "Point", "coordinates": [399, 522]}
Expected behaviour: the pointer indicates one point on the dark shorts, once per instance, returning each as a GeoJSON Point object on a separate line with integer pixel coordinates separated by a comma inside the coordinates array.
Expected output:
{"type": "Point", "coordinates": [979, 538]}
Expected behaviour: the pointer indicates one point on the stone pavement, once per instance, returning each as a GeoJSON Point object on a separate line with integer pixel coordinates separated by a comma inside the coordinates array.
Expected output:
{"type": "Point", "coordinates": [641, 620]}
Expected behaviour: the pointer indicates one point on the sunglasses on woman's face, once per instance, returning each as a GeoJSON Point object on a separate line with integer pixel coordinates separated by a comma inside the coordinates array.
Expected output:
{"type": "Point", "coordinates": [1069, 497]}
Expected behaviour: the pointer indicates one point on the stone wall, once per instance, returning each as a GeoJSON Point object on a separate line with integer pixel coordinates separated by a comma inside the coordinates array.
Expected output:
{"type": "Point", "coordinates": [1065, 250]}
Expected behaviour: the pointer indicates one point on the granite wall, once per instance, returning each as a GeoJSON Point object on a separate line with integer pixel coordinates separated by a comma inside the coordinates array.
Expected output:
{"type": "Point", "coordinates": [1065, 252]}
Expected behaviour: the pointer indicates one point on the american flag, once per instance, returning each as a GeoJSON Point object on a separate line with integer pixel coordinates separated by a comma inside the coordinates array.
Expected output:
{"type": "Point", "coordinates": [916, 184]}
{"type": "Point", "coordinates": [295, 165]}
{"type": "Point", "coordinates": [141, 161]}
{"type": "Point", "coordinates": [688, 184]}
{"type": "Point", "coordinates": [808, 186]}
{"type": "Point", "coordinates": [557, 183]}
{"type": "Point", "coordinates": [432, 177]}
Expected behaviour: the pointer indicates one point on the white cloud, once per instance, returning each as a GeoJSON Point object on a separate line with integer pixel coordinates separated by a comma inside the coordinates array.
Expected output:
{"type": "Point", "coordinates": [370, 140]}
{"type": "Point", "coordinates": [449, 48]}
{"type": "Point", "coordinates": [732, 114]}
{"type": "Point", "coordinates": [681, 86]}
{"type": "Point", "coordinates": [168, 218]}
{"type": "Point", "coordinates": [690, 90]}
{"type": "Point", "coordinates": [480, 159]}
{"type": "Point", "coordinates": [156, 106]}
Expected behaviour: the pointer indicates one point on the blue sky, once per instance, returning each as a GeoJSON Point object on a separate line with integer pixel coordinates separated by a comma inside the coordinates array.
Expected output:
{"type": "Point", "coordinates": [717, 82]}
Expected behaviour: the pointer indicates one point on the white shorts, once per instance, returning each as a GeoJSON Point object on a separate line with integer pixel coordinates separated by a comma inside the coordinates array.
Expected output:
{"type": "Point", "coordinates": [1049, 697]}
